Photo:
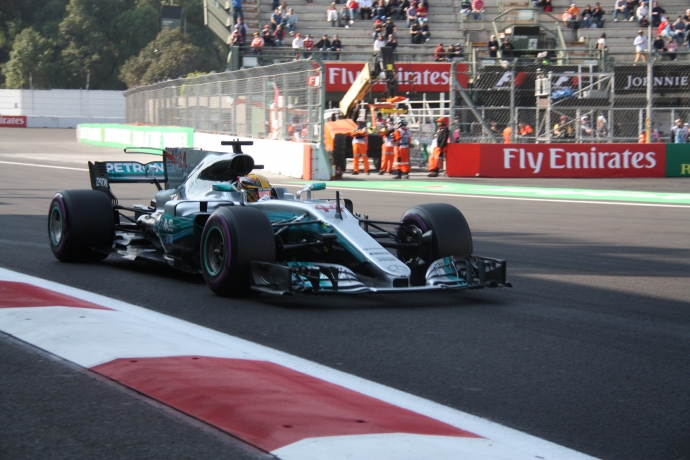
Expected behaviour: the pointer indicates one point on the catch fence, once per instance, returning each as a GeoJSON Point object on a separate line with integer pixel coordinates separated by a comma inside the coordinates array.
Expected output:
{"type": "Point", "coordinates": [279, 102]}
{"type": "Point", "coordinates": [598, 101]}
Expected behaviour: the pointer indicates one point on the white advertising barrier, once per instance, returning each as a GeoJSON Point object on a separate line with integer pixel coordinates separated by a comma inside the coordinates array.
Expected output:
{"type": "Point", "coordinates": [91, 104]}
{"type": "Point", "coordinates": [278, 157]}
{"type": "Point", "coordinates": [67, 122]}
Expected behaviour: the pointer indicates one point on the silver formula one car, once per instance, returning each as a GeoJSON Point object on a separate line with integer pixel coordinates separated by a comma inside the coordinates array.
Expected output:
{"type": "Point", "coordinates": [213, 215]}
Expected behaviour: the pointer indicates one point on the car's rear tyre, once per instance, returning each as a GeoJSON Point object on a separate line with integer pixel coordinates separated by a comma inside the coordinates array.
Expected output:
{"type": "Point", "coordinates": [234, 236]}
{"type": "Point", "coordinates": [451, 235]}
{"type": "Point", "coordinates": [81, 225]}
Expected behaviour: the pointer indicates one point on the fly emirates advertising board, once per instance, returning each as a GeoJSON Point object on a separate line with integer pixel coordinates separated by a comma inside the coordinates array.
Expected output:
{"type": "Point", "coordinates": [557, 160]}
{"type": "Point", "coordinates": [420, 77]}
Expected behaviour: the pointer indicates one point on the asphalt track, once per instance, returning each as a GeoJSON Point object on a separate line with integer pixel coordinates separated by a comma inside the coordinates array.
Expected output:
{"type": "Point", "coordinates": [589, 350]}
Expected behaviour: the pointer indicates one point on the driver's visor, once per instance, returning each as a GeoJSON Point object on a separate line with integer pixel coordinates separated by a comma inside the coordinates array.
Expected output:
{"type": "Point", "coordinates": [262, 192]}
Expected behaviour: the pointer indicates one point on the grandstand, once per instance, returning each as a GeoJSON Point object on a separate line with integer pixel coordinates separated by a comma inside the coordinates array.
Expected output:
{"type": "Point", "coordinates": [448, 26]}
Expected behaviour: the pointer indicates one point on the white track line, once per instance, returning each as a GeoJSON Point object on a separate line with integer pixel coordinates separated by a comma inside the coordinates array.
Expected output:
{"type": "Point", "coordinates": [505, 436]}
{"type": "Point", "coordinates": [490, 197]}
{"type": "Point", "coordinates": [495, 197]}
{"type": "Point", "coordinates": [42, 166]}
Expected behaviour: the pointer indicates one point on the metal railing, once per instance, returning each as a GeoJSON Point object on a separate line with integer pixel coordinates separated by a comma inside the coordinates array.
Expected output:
{"type": "Point", "coordinates": [603, 100]}
{"type": "Point", "coordinates": [281, 102]}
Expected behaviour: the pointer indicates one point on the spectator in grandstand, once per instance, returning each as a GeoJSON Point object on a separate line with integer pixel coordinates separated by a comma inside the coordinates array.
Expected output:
{"type": "Point", "coordinates": [585, 129]}
{"type": "Point", "coordinates": [426, 35]}
{"type": "Point", "coordinates": [620, 7]}
{"type": "Point", "coordinates": [602, 130]}
{"type": "Point", "coordinates": [494, 129]}
{"type": "Point", "coordinates": [391, 42]}
{"type": "Point", "coordinates": [324, 45]}
{"type": "Point", "coordinates": [422, 11]}
{"type": "Point", "coordinates": [377, 30]}
{"type": "Point", "coordinates": [587, 17]}
{"type": "Point", "coordinates": [267, 36]}
{"type": "Point", "coordinates": [344, 17]}
{"type": "Point", "coordinates": [291, 21]}
{"type": "Point", "coordinates": [671, 47]}
{"type": "Point", "coordinates": [411, 15]}
{"type": "Point", "coordinates": [525, 132]}
{"type": "Point", "coordinates": [416, 33]}
{"type": "Point", "coordinates": [283, 9]}
{"type": "Point", "coordinates": [332, 14]}
{"type": "Point", "coordinates": [678, 28]}
{"type": "Point", "coordinates": [507, 49]}
{"type": "Point", "coordinates": [478, 10]}
{"type": "Point", "coordinates": [664, 28]}
{"type": "Point", "coordinates": [275, 4]}
{"type": "Point", "coordinates": [237, 10]}
{"type": "Point", "coordinates": [391, 7]}
{"type": "Point", "coordinates": [679, 133]}
{"type": "Point", "coordinates": [632, 8]}
{"type": "Point", "coordinates": [659, 47]}
{"type": "Point", "coordinates": [657, 13]}
{"type": "Point", "coordinates": [466, 8]}
{"type": "Point", "coordinates": [389, 27]}
{"type": "Point", "coordinates": [563, 130]}
{"type": "Point", "coordinates": [642, 13]}
{"type": "Point", "coordinates": [298, 45]}
{"type": "Point", "coordinates": [308, 45]}
{"type": "Point", "coordinates": [336, 47]}
{"type": "Point", "coordinates": [449, 53]}
{"type": "Point", "coordinates": [401, 9]}
{"type": "Point", "coordinates": [365, 9]}
{"type": "Point", "coordinates": [379, 43]}
{"type": "Point", "coordinates": [354, 8]}
{"type": "Point", "coordinates": [236, 39]}
{"type": "Point", "coordinates": [379, 11]}
{"type": "Point", "coordinates": [257, 44]}
{"type": "Point", "coordinates": [279, 36]}
{"type": "Point", "coordinates": [276, 19]}
{"type": "Point", "coordinates": [440, 53]}
{"type": "Point", "coordinates": [548, 7]}
{"type": "Point", "coordinates": [601, 44]}
{"type": "Point", "coordinates": [598, 16]}
{"type": "Point", "coordinates": [640, 43]}
{"type": "Point", "coordinates": [492, 45]}
{"type": "Point", "coordinates": [242, 29]}
{"type": "Point", "coordinates": [571, 18]}
{"type": "Point", "coordinates": [458, 52]}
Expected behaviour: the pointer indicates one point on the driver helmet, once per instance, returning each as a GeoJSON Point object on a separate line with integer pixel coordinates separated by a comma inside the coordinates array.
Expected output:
{"type": "Point", "coordinates": [256, 187]}
{"type": "Point", "coordinates": [402, 122]}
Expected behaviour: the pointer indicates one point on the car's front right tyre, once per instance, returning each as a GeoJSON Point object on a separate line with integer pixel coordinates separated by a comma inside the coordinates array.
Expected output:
{"type": "Point", "coordinates": [233, 237]}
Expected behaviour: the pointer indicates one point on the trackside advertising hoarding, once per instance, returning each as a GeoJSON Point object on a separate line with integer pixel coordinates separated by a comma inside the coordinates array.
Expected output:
{"type": "Point", "coordinates": [568, 160]}
{"type": "Point", "coordinates": [12, 121]}
{"type": "Point", "coordinates": [421, 77]}
{"type": "Point", "coordinates": [115, 135]}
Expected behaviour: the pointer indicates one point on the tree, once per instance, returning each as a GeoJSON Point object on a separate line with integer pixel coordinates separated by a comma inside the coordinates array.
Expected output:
{"type": "Point", "coordinates": [31, 58]}
{"type": "Point", "coordinates": [170, 55]}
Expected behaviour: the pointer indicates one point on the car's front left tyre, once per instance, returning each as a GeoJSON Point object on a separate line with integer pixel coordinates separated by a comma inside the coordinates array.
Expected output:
{"type": "Point", "coordinates": [81, 225]}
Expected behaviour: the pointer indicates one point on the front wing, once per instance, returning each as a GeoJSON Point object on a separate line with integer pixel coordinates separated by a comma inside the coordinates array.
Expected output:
{"type": "Point", "coordinates": [454, 272]}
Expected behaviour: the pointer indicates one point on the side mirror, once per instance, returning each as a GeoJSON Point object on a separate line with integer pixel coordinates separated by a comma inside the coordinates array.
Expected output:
{"type": "Point", "coordinates": [309, 187]}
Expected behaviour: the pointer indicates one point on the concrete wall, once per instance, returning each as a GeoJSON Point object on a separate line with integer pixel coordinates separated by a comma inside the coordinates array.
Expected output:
{"type": "Point", "coordinates": [278, 157]}
{"type": "Point", "coordinates": [63, 108]}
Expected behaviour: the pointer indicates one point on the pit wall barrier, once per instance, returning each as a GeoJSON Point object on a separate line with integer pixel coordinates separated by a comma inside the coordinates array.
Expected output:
{"type": "Point", "coordinates": [293, 159]}
{"type": "Point", "coordinates": [568, 160]}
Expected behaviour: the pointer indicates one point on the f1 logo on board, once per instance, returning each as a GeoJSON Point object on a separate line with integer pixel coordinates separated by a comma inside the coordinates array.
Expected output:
{"type": "Point", "coordinates": [17, 121]}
